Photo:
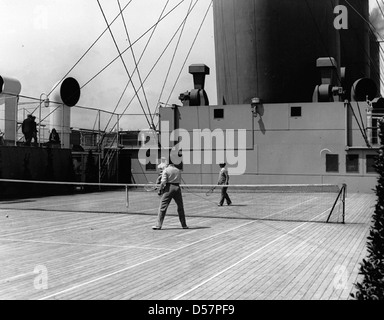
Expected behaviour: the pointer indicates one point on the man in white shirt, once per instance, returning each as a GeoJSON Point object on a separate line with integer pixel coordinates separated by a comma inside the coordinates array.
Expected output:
{"type": "Point", "coordinates": [162, 165]}
{"type": "Point", "coordinates": [170, 189]}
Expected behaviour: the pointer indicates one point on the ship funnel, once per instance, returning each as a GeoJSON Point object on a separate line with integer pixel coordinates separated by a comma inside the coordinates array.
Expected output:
{"type": "Point", "coordinates": [363, 89]}
{"type": "Point", "coordinates": [64, 96]}
{"type": "Point", "coordinates": [66, 92]}
{"type": "Point", "coordinates": [9, 90]}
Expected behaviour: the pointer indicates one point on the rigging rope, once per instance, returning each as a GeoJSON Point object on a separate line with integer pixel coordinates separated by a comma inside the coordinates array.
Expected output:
{"type": "Point", "coordinates": [160, 18]}
{"type": "Point", "coordinates": [367, 54]}
{"type": "Point", "coordinates": [89, 49]}
{"type": "Point", "coordinates": [185, 60]}
{"type": "Point", "coordinates": [378, 5]}
{"type": "Point", "coordinates": [322, 39]}
{"type": "Point", "coordinates": [373, 31]}
{"type": "Point", "coordinates": [154, 26]}
{"type": "Point", "coordinates": [361, 130]}
{"type": "Point", "coordinates": [153, 67]}
{"type": "Point", "coordinates": [376, 34]}
{"type": "Point", "coordinates": [366, 21]}
{"type": "Point", "coordinates": [176, 47]}
{"type": "Point", "coordinates": [125, 66]}
{"type": "Point", "coordinates": [136, 64]}
{"type": "Point", "coordinates": [142, 82]}
{"type": "Point", "coordinates": [133, 43]}
{"type": "Point", "coordinates": [141, 56]}
{"type": "Point", "coordinates": [189, 52]}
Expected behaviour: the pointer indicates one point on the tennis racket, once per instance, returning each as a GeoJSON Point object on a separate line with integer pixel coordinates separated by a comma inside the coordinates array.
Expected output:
{"type": "Point", "coordinates": [209, 192]}
{"type": "Point", "coordinates": [150, 186]}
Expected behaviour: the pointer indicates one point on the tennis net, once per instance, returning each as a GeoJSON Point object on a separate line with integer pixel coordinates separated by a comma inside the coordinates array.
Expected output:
{"type": "Point", "coordinates": [297, 202]}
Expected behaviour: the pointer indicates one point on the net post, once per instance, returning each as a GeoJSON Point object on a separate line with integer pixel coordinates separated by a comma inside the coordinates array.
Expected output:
{"type": "Point", "coordinates": [126, 196]}
{"type": "Point", "coordinates": [341, 193]}
{"type": "Point", "coordinates": [343, 199]}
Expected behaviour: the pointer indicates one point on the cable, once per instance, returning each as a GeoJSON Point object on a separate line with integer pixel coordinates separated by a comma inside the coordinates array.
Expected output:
{"type": "Point", "coordinates": [78, 61]}
{"type": "Point", "coordinates": [120, 54]}
{"type": "Point", "coordinates": [153, 27]}
{"type": "Point", "coordinates": [368, 22]}
{"type": "Point", "coordinates": [379, 7]}
{"type": "Point", "coordinates": [380, 48]}
{"type": "Point", "coordinates": [189, 52]}
{"type": "Point", "coordinates": [322, 40]}
{"type": "Point", "coordinates": [362, 122]}
{"type": "Point", "coordinates": [361, 130]}
{"type": "Point", "coordinates": [176, 47]}
{"type": "Point", "coordinates": [157, 61]}
{"type": "Point", "coordinates": [133, 43]}
{"type": "Point", "coordinates": [358, 105]}
{"type": "Point", "coordinates": [125, 66]}
{"type": "Point", "coordinates": [141, 56]}
{"type": "Point", "coordinates": [373, 30]}
{"type": "Point", "coordinates": [376, 34]}
{"type": "Point", "coordinates": [136, 64]}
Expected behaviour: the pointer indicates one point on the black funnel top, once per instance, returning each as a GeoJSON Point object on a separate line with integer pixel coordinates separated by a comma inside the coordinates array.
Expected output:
{"type": "Point", "coordinates": [70, 92]}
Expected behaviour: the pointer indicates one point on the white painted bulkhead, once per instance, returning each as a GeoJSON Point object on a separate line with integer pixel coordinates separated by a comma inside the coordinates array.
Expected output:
{"type": "Point", "coordinates": [281, 147]}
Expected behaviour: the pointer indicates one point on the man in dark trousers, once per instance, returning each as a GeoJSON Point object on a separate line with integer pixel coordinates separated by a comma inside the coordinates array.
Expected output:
{"type": "Point", "coordinates": [34, 129]}
{"type": "Point", "coordinates": [170, 189]}
{"type": "Point", "coordinates": [29, 129]}
{"type": "Point", "coordinates": [224, 180]}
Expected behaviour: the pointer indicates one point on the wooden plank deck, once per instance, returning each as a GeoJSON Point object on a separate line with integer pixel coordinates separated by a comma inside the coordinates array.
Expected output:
{"type": "Point", "coordinates": [99, 255]}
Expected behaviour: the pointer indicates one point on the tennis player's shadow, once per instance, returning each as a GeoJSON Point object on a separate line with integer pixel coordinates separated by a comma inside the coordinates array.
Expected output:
{"type": "Point", "coordinates": [236, 205]}
{"type": "Point", "coordinates": [189, 228]}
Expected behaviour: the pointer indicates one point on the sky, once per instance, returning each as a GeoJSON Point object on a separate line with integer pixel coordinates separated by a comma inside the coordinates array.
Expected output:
{"type": "Point", "coordinates": [42, 40]}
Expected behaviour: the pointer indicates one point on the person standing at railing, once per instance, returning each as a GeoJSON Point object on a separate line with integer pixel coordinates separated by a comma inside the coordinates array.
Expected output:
{"type": "Point", "coordinates": [29, 129]}
{"type": "Point", "coordinates": [54, 137]}
{"type": "Point", "coordinates": [34, 130]}
{"type": "Point", "coordinates": [170, 189]}
{"type": "Point", "coordinates": [1, 137]}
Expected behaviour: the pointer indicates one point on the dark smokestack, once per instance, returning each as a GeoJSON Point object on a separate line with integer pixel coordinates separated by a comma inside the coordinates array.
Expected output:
{"type": "Point", "coordinates": [268, 48]}
{"type": "Point", "coordinates": [354, 41]}
{"type": "Point", "coordinates": [376, 35]}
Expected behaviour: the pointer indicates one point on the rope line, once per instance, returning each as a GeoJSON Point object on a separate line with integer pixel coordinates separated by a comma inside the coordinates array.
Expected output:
{"type": "Point", "coordinates": [175, 51]}
{"type": "Point", "coordinates": [124, 64]}
{"type": "Point", "coordinates": [189, 52]}
{"type": "Point", "coordinates": [141, 56]}
{"type": "Point", "coordinates": [136, 64]}
{"type": "Point", "coordinates": [133, 43]}
{"type": "Point", "coordinates": [89, 49]}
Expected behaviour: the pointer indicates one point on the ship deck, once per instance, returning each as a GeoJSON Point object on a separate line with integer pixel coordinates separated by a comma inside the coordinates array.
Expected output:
{"type": "Point", "coordinates": [61, 254]}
